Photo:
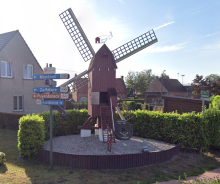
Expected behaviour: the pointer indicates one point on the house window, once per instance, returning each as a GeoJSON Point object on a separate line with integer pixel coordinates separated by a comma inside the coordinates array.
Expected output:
{"type": "Point", "coordinates": [28, 71]}
{"type": "Point", "coordinates": [5, 69]}
{"type": "Point", "coordinates": [83, 99]}
{"type": "Point", "coordinates": [18, 103]}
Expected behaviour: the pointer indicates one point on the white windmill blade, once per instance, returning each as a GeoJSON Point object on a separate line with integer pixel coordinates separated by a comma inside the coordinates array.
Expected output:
{"type": "Point", "coordinates": [134, 46]}
{"type": "Point", "coordinates": [78, 36]}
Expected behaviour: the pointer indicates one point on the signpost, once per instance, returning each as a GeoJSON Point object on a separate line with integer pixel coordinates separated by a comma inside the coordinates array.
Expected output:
{"type": "Point", "coordinates": [204, 96]}
{"type": "Point", "coordinates": [53, 99]}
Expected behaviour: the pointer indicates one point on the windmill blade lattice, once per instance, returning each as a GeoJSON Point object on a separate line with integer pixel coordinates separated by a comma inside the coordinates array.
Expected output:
{"type": "Point", "coordinates": [77, 82]}
{"type": "Point", "coordinates": [134, 46]}
{"type": "Point", "coordinates": [78, 36]}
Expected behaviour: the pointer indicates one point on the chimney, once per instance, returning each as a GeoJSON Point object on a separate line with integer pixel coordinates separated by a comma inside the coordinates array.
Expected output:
{"type": "Point", "coordinates": [75, 74]}
{"type": "Point", "coordinates": [122, 77]}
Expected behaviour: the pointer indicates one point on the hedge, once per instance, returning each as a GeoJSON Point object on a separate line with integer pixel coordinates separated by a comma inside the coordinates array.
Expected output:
{"type": "Point", "coordinates": [9, 121]}
{"type": "Point", "coordinates": [64, 125]}
{"type": "Point", "coordinates": [30, 135]}
{"type": "Point", "coordinates": [192, 131]}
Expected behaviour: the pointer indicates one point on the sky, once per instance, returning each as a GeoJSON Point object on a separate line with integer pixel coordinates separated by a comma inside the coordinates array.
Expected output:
{"type": "Point", "coordinates": [188, 33]}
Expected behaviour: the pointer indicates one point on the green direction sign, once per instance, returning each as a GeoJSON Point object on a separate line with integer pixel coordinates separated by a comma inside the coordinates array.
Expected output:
{"type": "Point", "coordinates": [204, 94]}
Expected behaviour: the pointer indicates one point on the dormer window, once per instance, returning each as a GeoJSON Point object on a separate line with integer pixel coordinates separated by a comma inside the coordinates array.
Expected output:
{"type": "Point", "coordinates": [6, 69]}
{"type": "Point", "coordinates": [28, 71]}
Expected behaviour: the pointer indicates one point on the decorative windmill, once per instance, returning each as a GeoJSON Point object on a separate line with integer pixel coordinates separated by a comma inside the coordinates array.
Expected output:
{"type": "Point", "coordinates": [101, 79]}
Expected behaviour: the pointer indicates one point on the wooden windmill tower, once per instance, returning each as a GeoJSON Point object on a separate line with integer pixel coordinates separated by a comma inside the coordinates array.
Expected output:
{"type": "Point", "coordinates": [101, 75]}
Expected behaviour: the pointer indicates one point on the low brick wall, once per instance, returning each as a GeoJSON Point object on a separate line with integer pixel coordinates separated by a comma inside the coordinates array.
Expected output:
{"type": "Point", "coordinates": [99, 162]}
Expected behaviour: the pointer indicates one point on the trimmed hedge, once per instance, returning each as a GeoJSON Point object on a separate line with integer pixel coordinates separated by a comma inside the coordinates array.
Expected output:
{"type": "Point", "coordinates": [64, 125]}
{"type": "Point", "coordinates": [190, 130]}
{"type": "Point", "coordinates": [31, 135]}
{"type": "Point", "coordinates": [9, 121]}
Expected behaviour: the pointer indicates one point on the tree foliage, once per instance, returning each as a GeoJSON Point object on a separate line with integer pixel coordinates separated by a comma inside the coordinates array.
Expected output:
{"type": "Point", "coordinates": [139, 81]}
{"type": "Point", "coordinates": [211, 83]}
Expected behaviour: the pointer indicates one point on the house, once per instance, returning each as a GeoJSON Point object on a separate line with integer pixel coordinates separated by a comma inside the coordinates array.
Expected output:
{"type": "Point", "coordinates": [167, 87]}
{"type": "Point", "coordinates": [80, 89]}
{"type": "Point", "coordinates": [18, 65]}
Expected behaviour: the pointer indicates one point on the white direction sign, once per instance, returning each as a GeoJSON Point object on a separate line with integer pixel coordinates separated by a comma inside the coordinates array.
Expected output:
{"type": "Point", "coordinates": [49, 102]}
{"type": "Point", "coordinates": [50, 96]}
{"type": "Point", "coordinates": [51, 76]}
{"type": "Point", "coordinates": [51, 89]}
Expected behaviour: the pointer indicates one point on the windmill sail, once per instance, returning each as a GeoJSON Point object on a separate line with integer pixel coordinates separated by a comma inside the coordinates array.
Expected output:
{"type": "Point", "coordinates": [134, 46]}
{"type": "Point", "coordinates": [78, 36]}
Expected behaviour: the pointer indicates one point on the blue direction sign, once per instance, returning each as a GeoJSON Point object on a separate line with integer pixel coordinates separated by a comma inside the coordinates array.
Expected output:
{"type": "Point", "coordinates": [52, 102]}
{"type": "Point", "coordinates": [52, 89]}
{"type": "Point", "coordinates": [51, 76]}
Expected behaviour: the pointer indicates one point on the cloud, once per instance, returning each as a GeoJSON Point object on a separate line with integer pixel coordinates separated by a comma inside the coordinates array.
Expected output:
{"type": "Point", "coordinates": [121, 1]}
{"type": "Point", "coordinates": [164, 25]}
{"type": "Point", "coordinates": [212, 47]}
{"type": "Point", "coordinates": [190, 14]}
{"type": "Point", "coordinates": [211, 34]}
{"type": "Point", "coordinates": [153, 49]}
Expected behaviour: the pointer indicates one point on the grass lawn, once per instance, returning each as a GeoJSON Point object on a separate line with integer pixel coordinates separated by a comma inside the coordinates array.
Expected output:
{"type": "Point", "coordinates": [17, 170]}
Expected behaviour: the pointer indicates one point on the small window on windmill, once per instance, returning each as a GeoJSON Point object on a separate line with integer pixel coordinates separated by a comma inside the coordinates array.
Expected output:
{"type": "Point", "coordinates": [103, 98]}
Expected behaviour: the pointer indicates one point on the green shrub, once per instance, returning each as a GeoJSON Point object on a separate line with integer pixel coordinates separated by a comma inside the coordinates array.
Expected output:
{"type": "Point", "coordinates": [192, 131]}
{"type": "Point", "coordinates": [31, 135]}
{"type": "Point", "coordinates": [215, 102]}
{"type": "Point", "coordinates": [2, 158]}
{"type": "Point", "coordinates": [64, 125]}
{"type": "Point", "coordinates": [212, 117]}
{"type": "Point", "coordinates": [131, 105]}
{"type": "Point", "coordinates": [188, 129]}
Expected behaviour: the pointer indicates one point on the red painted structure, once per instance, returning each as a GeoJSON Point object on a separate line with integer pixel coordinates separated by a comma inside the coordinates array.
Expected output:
{"type": "Point", "coordinates": [102, 79]}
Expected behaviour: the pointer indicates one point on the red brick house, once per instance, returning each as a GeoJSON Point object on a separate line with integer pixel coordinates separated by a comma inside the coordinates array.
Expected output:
{"type": "Point", "coordinates": [81, 94]}
{"type": "Point", "coordinates": [167, 87]}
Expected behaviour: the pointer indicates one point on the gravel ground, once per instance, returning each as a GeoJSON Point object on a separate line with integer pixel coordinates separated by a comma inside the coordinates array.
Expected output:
{"type": "Point", "coordinates": [74, 144]}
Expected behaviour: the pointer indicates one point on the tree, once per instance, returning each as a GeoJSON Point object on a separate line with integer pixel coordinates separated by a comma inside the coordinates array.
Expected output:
{"type": "Point", "coordinates": [213, 77]}
{"type": "Point", "coordinates": [209, 83]}
{"type": "Point", "coordinates": [139, 81]}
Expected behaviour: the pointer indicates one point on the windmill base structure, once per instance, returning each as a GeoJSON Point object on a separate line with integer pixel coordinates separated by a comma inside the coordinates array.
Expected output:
{"type": "Point", "coordinates": [101, 80]}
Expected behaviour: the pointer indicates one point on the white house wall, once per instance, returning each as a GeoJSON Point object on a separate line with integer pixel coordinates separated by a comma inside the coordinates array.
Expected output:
{"type": "Point", "coordinates": [18, 54]}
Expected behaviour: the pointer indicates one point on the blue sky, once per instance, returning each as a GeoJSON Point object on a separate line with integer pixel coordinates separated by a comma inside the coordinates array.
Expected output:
{"type": "Point", "coordinates": [188, 33]}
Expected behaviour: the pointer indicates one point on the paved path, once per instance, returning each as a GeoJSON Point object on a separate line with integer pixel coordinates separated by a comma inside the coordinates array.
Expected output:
{"type": "Point", "coordinates": [215, 174]}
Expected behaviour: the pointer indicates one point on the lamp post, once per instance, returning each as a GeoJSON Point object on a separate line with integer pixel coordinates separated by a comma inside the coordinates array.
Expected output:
{"type": "Point", "coordinates": [162, 83]}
